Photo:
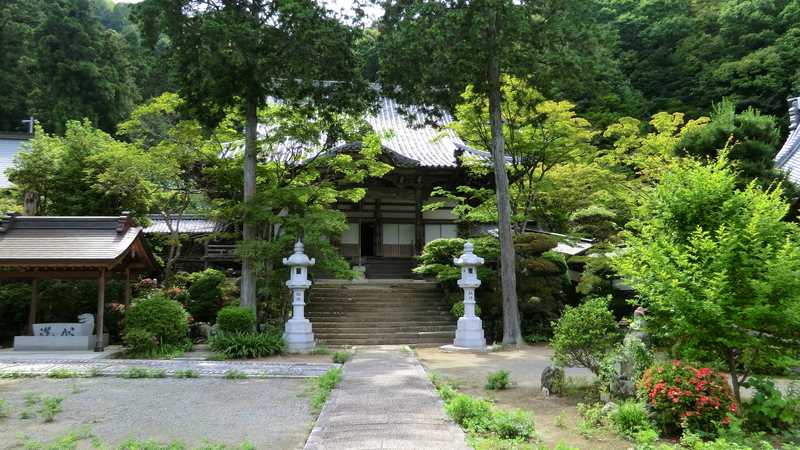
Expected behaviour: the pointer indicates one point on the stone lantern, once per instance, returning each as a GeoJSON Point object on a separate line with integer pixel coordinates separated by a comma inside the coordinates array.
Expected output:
{"type": "Point", "coordinates": [298, 334]}
{"type": "Point", "coordinates": [469, 333]}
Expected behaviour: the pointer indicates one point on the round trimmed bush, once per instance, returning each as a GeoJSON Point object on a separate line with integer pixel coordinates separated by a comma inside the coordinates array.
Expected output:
{"type": "Point", "coordinates": [585, 334]}
{"type": "Point", "coordinates": [234, 319]}
{"type": "Point", "coordinates": [161, 316]}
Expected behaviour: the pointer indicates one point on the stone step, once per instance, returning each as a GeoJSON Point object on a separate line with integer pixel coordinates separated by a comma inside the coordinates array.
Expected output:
{"type": "Point", "coordinates": [424, 340]}
{"type": "Point", "coordinates": [395, 335]}
{"type": "Point", "coordinates": [383, 322]}
{"type": "Point", "coordinates": [378, 316]}
{"type": "Point", "coordinates": [387, 308]}
{"type": "Point", "coordinates": [368, 328]}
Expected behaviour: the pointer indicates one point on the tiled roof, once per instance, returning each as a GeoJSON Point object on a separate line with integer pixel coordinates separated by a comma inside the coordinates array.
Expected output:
{"type": "Point", "coordinates": [192, 224]}
{"type": "Point", "coordinates": [46, 240]}
{"type": "Point", "coordinates": [9, 147]}
{"type": "Point", "coordinates": [788, 159]}
{"type": "Point", "coordinates": [414, 140]}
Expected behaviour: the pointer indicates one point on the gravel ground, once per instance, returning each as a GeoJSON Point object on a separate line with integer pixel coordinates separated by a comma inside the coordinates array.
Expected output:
{"type": "Point", "coordinates": [267, 413]}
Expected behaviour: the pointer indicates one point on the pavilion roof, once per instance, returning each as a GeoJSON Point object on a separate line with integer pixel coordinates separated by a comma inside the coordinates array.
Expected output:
{"type": "Point", "coordinates": [72, 243]}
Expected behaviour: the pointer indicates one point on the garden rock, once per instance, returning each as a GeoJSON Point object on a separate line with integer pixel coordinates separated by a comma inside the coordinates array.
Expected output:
{"type": "Point", "coordinates": [553, 379]}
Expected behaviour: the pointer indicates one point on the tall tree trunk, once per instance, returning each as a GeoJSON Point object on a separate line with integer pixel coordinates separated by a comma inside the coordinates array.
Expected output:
{"type": "Point", "coordinates": [733, 360]}
{"type": "Point", "coordinates": [248, 281]}
{"type": "Point", "coordinates": [512, 335]}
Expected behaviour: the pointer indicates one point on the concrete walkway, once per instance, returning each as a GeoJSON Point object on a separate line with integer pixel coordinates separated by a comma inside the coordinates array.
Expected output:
{"type": "Point", "coordinates": [385, 401]}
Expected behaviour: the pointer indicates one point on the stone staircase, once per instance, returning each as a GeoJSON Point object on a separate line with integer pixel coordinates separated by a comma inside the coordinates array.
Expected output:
{"type": "Point", "coordinates": [389, 268]}
{"type": "Point", "coordinates": [380, 312]}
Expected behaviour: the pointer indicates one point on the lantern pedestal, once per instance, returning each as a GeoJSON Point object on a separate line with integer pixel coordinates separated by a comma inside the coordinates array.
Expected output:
{"type": "Point", "coordinates": [298, 335]}
{"type": "Point", "coordinates": [469, 332]}
{"type": "Point", "coordinates": [297, 332]}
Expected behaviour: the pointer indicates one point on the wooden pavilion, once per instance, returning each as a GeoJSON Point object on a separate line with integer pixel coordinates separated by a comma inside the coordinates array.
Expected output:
{"type": "Point", "coordinates": [36, 248]}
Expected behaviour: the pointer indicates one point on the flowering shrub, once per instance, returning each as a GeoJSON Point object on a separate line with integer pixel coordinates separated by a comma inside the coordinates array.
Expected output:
{"type": "Point", "coordinates": [683, 398]}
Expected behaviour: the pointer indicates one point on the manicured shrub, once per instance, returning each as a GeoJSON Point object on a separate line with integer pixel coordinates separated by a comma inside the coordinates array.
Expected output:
{"type": "Point", "coordinates": [205, 294]}
{"type": "Point", "coordinates": [248, 345]}
{"type": "Point", "coordinates": [683, 398]}
{"type": "Point", "coordinates": [585, 334]}
{"type": "Point", "coordinates": [233, 319]}
{"type": "Point", "coordinates": [164, 318]}
{"type": "Point", "coordinates": [771, 410]}
{"type": "Point", "coordinates": [140, 341]}
{"type": "Point", "coordinates": [498, 380]}
{"type": "Point", "coordinates": [629, 418]}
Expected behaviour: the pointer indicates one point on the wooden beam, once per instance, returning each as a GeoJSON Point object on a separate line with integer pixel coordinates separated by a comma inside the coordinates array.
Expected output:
{"type": "Point", "coordinates": [127, 288]}
{"type": "Point", "coordinates": [34, 305]}
{"type": "Point", "coordinates": [419, 227]}
{"type": "Point", "coordinates": [101, 306]}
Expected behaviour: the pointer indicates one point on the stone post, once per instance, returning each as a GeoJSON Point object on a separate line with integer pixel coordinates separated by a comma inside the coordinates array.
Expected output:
{"type": "Point", "coordinates": [298, 334]}
{"type": "Point", "coordinates": [469, 333]}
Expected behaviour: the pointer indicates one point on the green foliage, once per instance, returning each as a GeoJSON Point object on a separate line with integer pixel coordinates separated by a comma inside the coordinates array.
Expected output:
{"type": "Point", "coordinates": [630, 418]}
{"type": "Point", "coordinates": [585, 334]}
{"type": "Point", "coordinates": [683, 398]}
{"type": "Point", "coordinates": [752, 141]}
{"type": "Point", "coordinates": [233, 374]}
{"type": "Point", "coordinates": [3, 409]}
{"type": "Point", "coordinates": [50, 407]}
{"type": "Point", "coordinates": [457, 310]}
{"type": "Point", "coordinates": [61, 373]}
{"type": "Point", "coordinates": [205, 294]}
{"type": "Point", "coordinates": [247, 345]}
{"type": "Point", "coordinates": [771, 410]}
{"type": "Point", "coordinates": [185, 373]}
{"type": "Point", "coordinates": [140, 341]}
{"type": "Point", "coordinates": [233, 319]}
{"type": "Point", "coordinates": [324, 385]}
{"type": "Point", "coordinates": [161, 316]}
{"type": "Point", "coordinates": [142, 372]}
{"type": "Point", "coordinates": [498, 380]}
{"type": "Point", "coordinates": [341, 357]}
{"type": "Point", "coordinates": [714, 265]}
{"type": "Point", "coordinates": [481, 419]}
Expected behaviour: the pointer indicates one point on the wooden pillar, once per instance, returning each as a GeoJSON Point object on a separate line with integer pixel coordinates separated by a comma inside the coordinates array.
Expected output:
{"type": "Point", "coordinates": [101, 306]}
{"type": "Point", "coordinates": [378, 229]}
{"type": "Point", "coordinates": [34, 305]}
{"type": "Point", "coordinates": [419, 227]}
{"type": "Point", "coordinates": [127, 288]}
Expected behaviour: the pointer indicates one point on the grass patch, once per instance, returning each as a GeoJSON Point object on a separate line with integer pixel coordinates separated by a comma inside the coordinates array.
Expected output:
{"type": "Point", "coordinates": [61, 373]}
{"type": "Point", "coordinates": [17, 375]}
{"type": "Point", "coordinates": [187, 373]}
{"type": "Point", "coordinates": [4, 409]}
{"type": "Point", "coordinates": [234, 374]}
{"type": "Point", "coordinates": [143, 372]}
{"type": "Point", "coordinates": [498, 380]}
{"type": "Point", "coordinates": [487, 426]}
{"type": "Point", "coordinates": [341, 357]}
{"type": "Point", "coordinates": [161, 351]}
{"type": "Point", "coordinates": [322, 391]}
{"type": "Point", "coordinates": [50, 407]}
{"type": "Point", "coordinates": [320, 350]}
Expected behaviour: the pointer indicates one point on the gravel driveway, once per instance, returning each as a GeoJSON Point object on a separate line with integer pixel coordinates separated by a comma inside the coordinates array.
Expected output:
{"type": "Point", "coordinates": [267, 413]}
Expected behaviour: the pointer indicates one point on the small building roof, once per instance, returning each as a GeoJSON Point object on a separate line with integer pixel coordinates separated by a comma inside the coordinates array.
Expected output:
{"type": "Point", "coordinates": [788, 158]}
{"type": "Point", "coordinates": [10, 145]}
{"type": "Point", "coordinates": [33, 243]}
{"type": "Point", "coordinates": [189, 223]}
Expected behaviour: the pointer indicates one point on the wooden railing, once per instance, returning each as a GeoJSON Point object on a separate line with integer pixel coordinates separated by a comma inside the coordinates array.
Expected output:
{"type": "Point", "coordinates": [221, 252]}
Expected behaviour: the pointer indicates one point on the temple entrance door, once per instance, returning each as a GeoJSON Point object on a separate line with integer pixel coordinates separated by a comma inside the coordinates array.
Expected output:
{"type": "Point", "coordinates": [367, 239]}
